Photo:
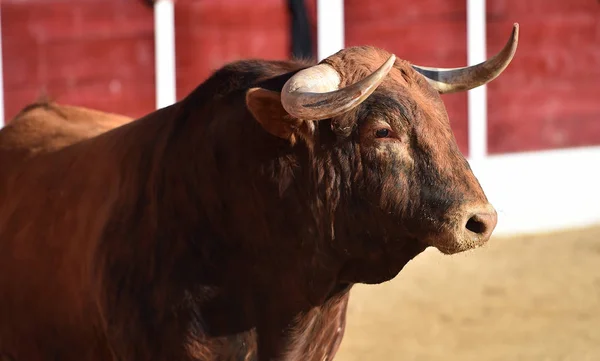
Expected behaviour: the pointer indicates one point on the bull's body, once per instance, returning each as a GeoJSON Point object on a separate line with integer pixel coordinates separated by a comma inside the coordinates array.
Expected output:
{"type": "Point", "coordinates": [232, 224]}
{"type": "Point", "coordinates": [63, 176]}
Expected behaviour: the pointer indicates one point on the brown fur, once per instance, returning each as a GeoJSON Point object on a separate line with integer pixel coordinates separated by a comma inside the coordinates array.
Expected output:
{"type": "Point", "coordinates": [44, 126]}
{"type": "Point", "coordinates": [194, 234]}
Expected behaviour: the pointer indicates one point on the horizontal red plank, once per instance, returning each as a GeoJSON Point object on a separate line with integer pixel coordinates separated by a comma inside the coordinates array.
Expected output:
{"type": "Point", "coordinates": [130, 97]}
{"type": "Point", "coordinates": [427, 43]}
{"type": "Point", "coordinates": [541, 7]}
{"type": "Point", "coordinates": [210, 34]}
{"type": "Point", "coordinates": [81, 60]}
{"type": "Point", "coordinates": [76, 61]}
{"type": "Point", "coordinates": [57, 2]}
{"type": "Point", "coordinates": [559, 116]}
{"type": "Point", "coordinates": [206, 14]}
{"type": "Point", "coordinates": [536, 34]}
{"type": "Point", "coordinates": [564, 51]}
{"type": "Point", "coordinates": [20, 61]}
{"type": "Point", "coordinates": [534, 134]}
{"type": "Point", "coordinates": [399, 12]}
{"type": "Point", "coordinates": [196, 64]}
{"type": "Point", "coordinates": [209, 55]}
{"type": "Point", "coordinates": [430, 32]}
{"type": "Point", "coordinates": [234, 4]}
{"type": "Point", "coordinates": [51, 20]}
{"type": "Point", "coordinates": [516, 103]}
{"type": "Point", "coordinates": [552, 67]}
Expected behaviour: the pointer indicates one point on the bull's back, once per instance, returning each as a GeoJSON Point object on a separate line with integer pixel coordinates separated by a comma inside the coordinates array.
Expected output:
{"type": "Point", "coordinates": [46, 127]}
{"type": "Point", "coordinates": [53, 200]}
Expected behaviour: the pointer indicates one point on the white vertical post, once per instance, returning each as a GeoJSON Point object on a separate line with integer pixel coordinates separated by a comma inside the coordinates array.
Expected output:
{"type": "Point", "coordinates": [164, 52]}
{"type": "Point", "coordinates": [330, 27]}
{"type": "Point", "coordinates": [477, 98]}
{"type": "Point", "coordinates": [1, 77]}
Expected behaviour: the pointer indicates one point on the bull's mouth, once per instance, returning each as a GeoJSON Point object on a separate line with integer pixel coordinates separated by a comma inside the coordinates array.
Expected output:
{"type": "Point", "coordinates": [381, 266]}
{"type": "Point", "coordinates": [450, 250]}
{"type": "Point", "coordinates": [449, 245]}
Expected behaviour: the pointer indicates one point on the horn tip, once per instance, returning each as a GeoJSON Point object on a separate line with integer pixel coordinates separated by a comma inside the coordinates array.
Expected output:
{"type": "Point", "coordinates": [514, 39]}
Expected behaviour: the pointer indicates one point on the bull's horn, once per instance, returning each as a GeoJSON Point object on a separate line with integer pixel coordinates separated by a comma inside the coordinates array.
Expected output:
{"type": "Point", "coordinates": [313, 93]}
{"type": "Point", "coordinates": [462, 79]}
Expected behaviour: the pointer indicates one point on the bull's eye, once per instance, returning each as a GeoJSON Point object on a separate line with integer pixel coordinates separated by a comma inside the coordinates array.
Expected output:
{"type": "Point", "coordinates": [382, 133]}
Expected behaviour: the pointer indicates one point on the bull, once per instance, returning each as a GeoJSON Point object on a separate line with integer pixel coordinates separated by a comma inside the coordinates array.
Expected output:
{"type": "Point", "coordinates": [232, 224]}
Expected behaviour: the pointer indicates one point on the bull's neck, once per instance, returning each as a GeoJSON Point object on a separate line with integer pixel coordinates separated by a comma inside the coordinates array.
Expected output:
{"type": "Point", "coordinates": [184, 242]}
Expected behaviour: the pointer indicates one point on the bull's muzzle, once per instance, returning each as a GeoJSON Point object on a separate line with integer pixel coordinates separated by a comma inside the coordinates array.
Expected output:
{"type": "Point", "coordinates": [472, 227]}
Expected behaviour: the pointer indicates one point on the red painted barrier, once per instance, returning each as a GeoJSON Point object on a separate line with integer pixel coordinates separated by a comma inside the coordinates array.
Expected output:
{"type": "Point", "coordinates": [100, 53]}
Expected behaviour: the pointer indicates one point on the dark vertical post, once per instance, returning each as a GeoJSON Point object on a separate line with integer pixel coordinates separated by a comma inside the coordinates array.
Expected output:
{"type": "Point", "coordinates": [300, 30]}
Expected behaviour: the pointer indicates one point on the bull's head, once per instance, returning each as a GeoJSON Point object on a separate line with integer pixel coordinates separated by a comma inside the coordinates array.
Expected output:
{"type": "Point", "coordinates": [400, 180]}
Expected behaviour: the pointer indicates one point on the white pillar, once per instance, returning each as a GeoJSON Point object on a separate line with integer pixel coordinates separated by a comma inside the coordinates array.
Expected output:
{"type": "Point", "coordinates": [1, 78]}
{"type": "Point", "coordinates": [164, 52]}
{"type": "Point", "coordinates": [477, 98]}
{"type": "Point", "coordinates": [330, 27]}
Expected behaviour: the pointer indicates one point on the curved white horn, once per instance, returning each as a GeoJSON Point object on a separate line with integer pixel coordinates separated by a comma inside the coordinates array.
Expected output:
{"type": "Point", "coordinates": [314, 94]}
{"type": "Point", "coordinates": [450, 80]}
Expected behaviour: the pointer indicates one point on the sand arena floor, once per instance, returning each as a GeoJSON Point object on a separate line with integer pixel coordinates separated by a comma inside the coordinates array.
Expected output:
{"type": "Point", "coordinates": [525, 298]}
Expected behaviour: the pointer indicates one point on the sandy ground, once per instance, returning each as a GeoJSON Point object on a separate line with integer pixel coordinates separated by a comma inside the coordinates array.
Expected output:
{"type": "Point", "coordinates": [527, 298]}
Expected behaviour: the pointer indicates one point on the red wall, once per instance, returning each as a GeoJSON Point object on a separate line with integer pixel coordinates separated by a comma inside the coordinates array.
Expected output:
{"type": "Point", "coordinates": [210, 33]}
{"type": "Point", "coordinates": [86, 52]}
{"type": "Point", "coordinates": [549, 97]}
{"type": "Point", "coordinates": [100, 53]}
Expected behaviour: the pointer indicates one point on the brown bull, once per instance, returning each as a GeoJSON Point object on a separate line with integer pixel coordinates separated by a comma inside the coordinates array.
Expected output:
{"type": "Point", "coordinates": [232, 224]}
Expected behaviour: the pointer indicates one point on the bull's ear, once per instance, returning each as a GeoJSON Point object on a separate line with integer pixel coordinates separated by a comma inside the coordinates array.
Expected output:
{"type": "Point", "coordinates": [265, 106]}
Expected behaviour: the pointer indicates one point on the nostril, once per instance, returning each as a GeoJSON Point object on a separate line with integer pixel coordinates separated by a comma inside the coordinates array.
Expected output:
{"type": "Point", "coordinates": [482, 224]}
{"type": "Point", "coordinates": [475, 225]}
